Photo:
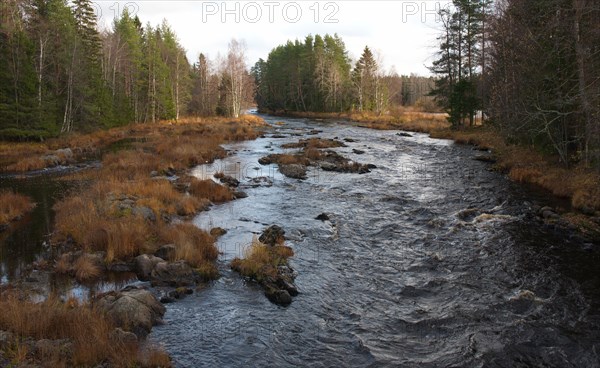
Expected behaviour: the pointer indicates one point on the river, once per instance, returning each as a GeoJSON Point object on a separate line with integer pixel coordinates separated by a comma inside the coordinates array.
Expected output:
{"type": "Point", "coordinates": [401, 275]}
{"type": "Point", "coordinates": [430, 260]}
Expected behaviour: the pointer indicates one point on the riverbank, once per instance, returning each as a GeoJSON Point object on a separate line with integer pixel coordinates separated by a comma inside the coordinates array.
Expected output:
{"type": "Point", "coordinates": [405, 119]}
{"type": "Point", "coordinates": [580, 185]}
{"type": "Point", "coordinates": [128, 215]}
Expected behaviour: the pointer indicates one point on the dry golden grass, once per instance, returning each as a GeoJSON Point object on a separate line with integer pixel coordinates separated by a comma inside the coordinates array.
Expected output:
{"type": "Point", "coordinates": [87, 328]}
{"type": "Point", "coordinates": [13, 205]}
{"type": "Point", "coordinates": [208, 189]}
{"type": "Point", "coordinates": [130, 165]}
{"type": "Point", "coordinates": [156, 357]}
{"type": "Point", "coordinates": [28, 164]}
{"type": "Point", "coordinates": [396, 119]}
{"type": "Point", "coordinates": [189, 141]}
{"type": "Point", "coordinates": [287, 159]}
{"type": "Point", "coordinates": [313, 154]}
{"type": "Point", "coordinates": [314, 143]}
{"type": "Point", "coordinates": [63, 264]}
{"type": "Point", "coordinates": [95, 217]}
{"type": "Point", "coordinates": [192, 244]}
{"type": "Point", "coordinates": [260, 261]}
{"type": "Point", "coordinates": [415, 122]}
{"type": "Point", "coordinates": [85, 269]}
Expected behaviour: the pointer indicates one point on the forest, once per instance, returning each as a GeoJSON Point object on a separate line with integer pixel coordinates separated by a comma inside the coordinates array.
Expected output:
{"type": "Point", "coordinates": [534, 78]}
{"type": "Point", "coordinates": [318, 75]}
{"type": "Point", "coordinates": [59, 73]}
{"type": "Point", "coordinates": [532, 67]}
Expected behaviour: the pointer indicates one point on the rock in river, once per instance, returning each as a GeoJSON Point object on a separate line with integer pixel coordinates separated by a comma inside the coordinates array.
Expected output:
{"type": "Point", "coordinates": [172, 274]}
{"type": "Point", "coordinates": [144, 264]}
{"type": "Point", "coordinates": [272, 236]}
{"type": "Point", "coordinates": [293, 171]}
{"type": "Point", "coordinates": [132, 309]}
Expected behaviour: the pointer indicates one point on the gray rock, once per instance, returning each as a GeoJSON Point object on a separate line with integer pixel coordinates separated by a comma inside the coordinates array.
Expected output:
{"type": "Point", "coordinates": [327, 166]}
{"type": "Point", "coordinates": [65, 153]}
{"type": "Point", "coordinates": [6, 338]}
{"type": "Point", "coordinates": [278, 296]}
{"type": "Point", "coordinates": [228, 180]}
{"type": "Point", "coordinates": [289, 287]}
{"type": "Point", "coordinates": [240, 195]}
{"type": "Point", "coordinates": [126, 206]}
{"type": "Point", "coordinates": [166, 252]}
{"type": "Point", "coordinates": [51, 160]}
{"type": "Point", "coordinates": [120, 266]}
{"type": "Point", "coordinates": [173, 274]}
{"type": "Point", "coordinates": [167, 299]}
{"type": "Point", "coordinates": [293, 171]}
{"type": "Point", "coordinates": [132, 309]}
{"type": "Point", "coordinates": [550, 215]}
{"type": "Point", "coordinates": [544, 209]}
{"type": "Point", "coordinates": [272, 236]}
{"type": "Point", "coordinates": [144, 264]}
{"type": "Point", "coordinates": [358, 152]}
{"type": "Point", "coordinates": [217, 231]}
{"type": "Point", "coordinates": [144, 212]}
{"type": "Point", "coordinates": [322, 217]}
{"type": "Point", "coordinates": [261, 181]}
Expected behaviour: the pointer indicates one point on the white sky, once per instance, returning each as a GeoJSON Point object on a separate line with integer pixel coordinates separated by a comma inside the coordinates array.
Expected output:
{"type": "Point", "coordinates": [403, 32]}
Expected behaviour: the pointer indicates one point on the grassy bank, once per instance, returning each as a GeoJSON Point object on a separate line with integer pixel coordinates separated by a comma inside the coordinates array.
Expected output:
{"type": "Point", "coordinates": [22, 157]}
{"type": "Point", "coordinates": [399, 119]}
{"type": "Point", "coordinates": [66, 334]}
{"type": "Point", "coordinates": [127, 205]}
{"type": "Point", "coordinates": [135, 202]}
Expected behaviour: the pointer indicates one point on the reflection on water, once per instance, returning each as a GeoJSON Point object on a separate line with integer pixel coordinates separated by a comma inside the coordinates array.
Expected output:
{"type": "Point", "coordinates": [23, 242]}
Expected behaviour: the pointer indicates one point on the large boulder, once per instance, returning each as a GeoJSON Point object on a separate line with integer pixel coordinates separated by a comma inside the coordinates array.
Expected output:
{"type": "Point", "coordinates": [173, 274]}
{"type": "Point", "coordinates": [133, 309]}
{"type": "Point", "coordinates": [144, 264]}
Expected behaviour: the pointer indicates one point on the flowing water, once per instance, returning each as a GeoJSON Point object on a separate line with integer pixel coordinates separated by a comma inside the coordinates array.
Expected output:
{"type": "Point", "coordinates": [401, 275]}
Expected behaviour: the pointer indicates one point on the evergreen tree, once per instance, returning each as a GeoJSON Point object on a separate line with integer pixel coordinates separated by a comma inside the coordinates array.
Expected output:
{"type": "Point", "coordinates": [458, 62]}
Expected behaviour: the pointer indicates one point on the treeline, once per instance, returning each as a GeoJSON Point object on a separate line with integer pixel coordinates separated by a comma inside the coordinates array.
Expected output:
{"type": "Point", "coordinates": [59, 74]}
{"type": "Point", "coordinates": [318, 75]}
{"type": "Point", "coordinates": [532, 67]}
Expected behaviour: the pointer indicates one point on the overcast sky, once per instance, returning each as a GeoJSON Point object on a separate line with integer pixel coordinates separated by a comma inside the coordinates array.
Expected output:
{"type": "Point", "coordinates": [403, 32]}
